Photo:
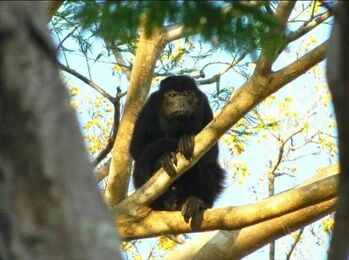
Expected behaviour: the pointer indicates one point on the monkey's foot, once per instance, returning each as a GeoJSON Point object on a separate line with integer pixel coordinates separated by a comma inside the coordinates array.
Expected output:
{"type": "Point", "coordinates": [192, 206]}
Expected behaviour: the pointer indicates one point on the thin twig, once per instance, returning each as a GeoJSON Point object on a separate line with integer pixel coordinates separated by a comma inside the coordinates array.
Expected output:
{"type": "Point", "coordinates": [217, 76]}
{"type": "Point", "coordinates": [67, 36]}
{"type": "Point", "coordinates": [114, 131]}
{"type": "Point", "coordinates": [87, 81]}
{"type": "Point", "coordinates": [298, 237]}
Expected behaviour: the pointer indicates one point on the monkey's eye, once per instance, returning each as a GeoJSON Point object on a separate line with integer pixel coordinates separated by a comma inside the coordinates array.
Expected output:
{"type": "Point", "coordinates": [171, 94]}
{"type": "Point", "coordinates": [186, 93]}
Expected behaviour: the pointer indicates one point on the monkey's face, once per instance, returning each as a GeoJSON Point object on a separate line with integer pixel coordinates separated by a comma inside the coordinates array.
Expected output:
{"type": "Point", "coordinates": [170, 199]}
{"type": "Point", "coordinates": [179, 103]}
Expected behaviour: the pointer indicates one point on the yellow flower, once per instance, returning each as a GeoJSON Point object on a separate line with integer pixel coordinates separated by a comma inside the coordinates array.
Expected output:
{"type": "Point", "coordinates": [166, 244]}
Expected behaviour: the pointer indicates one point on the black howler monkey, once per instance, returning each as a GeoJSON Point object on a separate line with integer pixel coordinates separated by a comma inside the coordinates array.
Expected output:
{"type": "Point", "coordinates": [167, 124]}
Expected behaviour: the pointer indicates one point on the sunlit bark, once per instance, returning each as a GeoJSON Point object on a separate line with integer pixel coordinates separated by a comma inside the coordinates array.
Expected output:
{"type": "Point", "coordinates": [321, 189]}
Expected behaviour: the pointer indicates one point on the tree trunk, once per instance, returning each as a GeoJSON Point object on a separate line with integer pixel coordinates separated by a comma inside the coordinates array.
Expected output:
{"type": "Point", "coordinates": [338, 79]}
{"type": "Point", "coordinates": [50, 205]}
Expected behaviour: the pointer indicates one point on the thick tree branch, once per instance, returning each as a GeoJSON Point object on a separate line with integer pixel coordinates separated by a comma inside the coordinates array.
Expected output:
{"type": "Point", "coordinates": [240, 243]}
{"type": "Point", "coordinates": [232, 217]}
{"type": "Point", "coordinates": [174, 33]}
{"type": "Point", "coordinates": [269, 55]}
{"type": "Point", "coordinates": [284, 11]}
{"type": "Point", "coordinates": [148, 52]}
{"type": "Point", "coordinates": [298, 67]}
{"type": "Point", "coordinates": [102, 170]}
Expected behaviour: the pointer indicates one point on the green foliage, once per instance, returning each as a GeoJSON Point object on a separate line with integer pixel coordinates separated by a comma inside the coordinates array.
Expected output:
{"type": "Point", "coordinates": [232, 24]}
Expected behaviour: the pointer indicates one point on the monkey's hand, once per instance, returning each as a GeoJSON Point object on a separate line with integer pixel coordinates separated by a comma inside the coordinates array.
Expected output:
{"type": "Point", "coordinates": [186, 146]}
{"type": "Point", "coordinates": [168, 161]}
{"type": "Point", "coordinates": [192, 206]}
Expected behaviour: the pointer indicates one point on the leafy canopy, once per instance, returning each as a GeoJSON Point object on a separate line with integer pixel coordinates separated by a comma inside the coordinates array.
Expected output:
{"type": "Point", "coordinates": [232, 24]}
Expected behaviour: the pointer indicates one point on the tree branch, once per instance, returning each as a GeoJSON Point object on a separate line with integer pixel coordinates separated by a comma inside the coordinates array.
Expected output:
{"type": "Point", "coordinates": [173, 33]}
{"type": "Point", "coordinates": [298, 67]}
{"type": "Point", "coordinates": [120, 60]}
{"type": "Point", "coordinates": [217, 76]}
{"type": "Point", "coordinates": [114, 130]}
{"type": "Point", "coordinates": [147, 54]}
{"type": "Point", "coordinates": [297, 239]}
{"type": "Point", "coordinates": [231, 217]}
{"type": "Point", "coordinates": [307, 27]}
{"type": "Point", "coordinates": [87, 81]}
{"type": "Point", "coordinates": [240, 243]}
{"type": "Point", "coordinates": [102, 171]}
{"type": "Point", "coordinates": [267, 58]}
{"type": "Point", "coordinates": [60, 44]}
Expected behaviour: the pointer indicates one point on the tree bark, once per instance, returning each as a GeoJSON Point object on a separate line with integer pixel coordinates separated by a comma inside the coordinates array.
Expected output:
{"type": "Point", "coordinates": [239, 243]}
{"type": "Point", "coordinates": [50, 206]}
{"type": "Point", "coordinates": [148, 52]}
{"type": "Point", "coordinates": [323, 187]}
{"type": "Point", "coordinates": [338, 79]}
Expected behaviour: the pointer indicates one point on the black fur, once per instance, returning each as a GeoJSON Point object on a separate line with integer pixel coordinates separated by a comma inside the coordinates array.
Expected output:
{"type": "Point", "coordinates": [156, 134]}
